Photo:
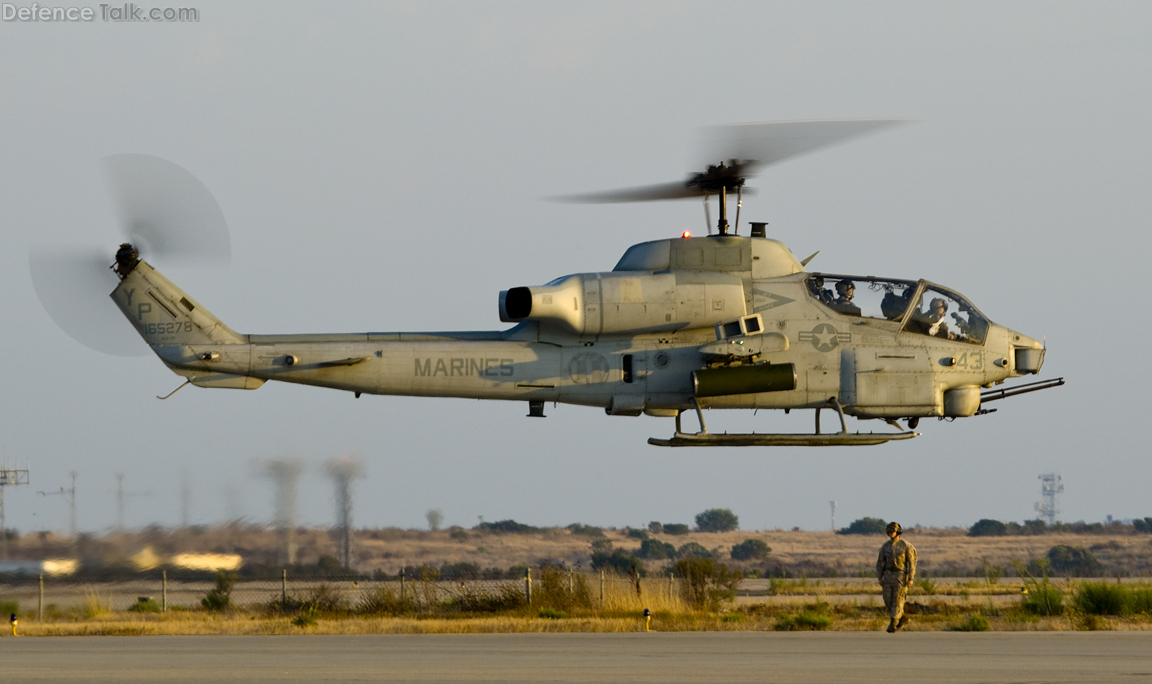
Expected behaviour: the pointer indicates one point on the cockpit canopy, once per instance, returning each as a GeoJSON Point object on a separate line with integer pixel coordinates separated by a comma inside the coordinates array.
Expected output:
{"type": "Point", "coordinates": [924, 309]}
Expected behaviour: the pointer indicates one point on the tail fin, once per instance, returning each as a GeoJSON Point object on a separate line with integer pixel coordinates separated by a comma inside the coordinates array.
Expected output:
{"type": "Point", "coordinates": [165, 315]}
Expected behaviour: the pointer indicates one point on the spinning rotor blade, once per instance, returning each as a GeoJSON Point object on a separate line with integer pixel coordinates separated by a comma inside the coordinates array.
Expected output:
{"type": "Point", "coordinates": [167, 210]}
{"type": "Point", "coordinates": [166, 213]}
{"type": "Point", "coordinates": [762, 144]}
{"type": "Point", "coordinates": [646, 193]}
{"type": "Point", "coordinates": [747, 149]}
{"type": "Point", "coordinates": [73, 287]}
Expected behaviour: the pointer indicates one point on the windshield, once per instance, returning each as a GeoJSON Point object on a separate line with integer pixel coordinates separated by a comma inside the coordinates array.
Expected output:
{"type": "Point", "coordinates": [862, 296]}
{"type": "Point", "coordinates": [947, 315]}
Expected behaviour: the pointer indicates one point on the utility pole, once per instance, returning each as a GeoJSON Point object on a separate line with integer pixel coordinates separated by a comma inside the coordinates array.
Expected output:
{"type": "Point", "coordinates": [8, 477]}
{"type": "Point", "coordinates": [69, 496]}
{"type": "Point", "coordinates": [342, 471]}
{"type": "Point", "coordinates": [120, 494]}
{"type": "Point", "coordinates": [833, 504]}
{"type": "Point", "coordinates": [285, 476]}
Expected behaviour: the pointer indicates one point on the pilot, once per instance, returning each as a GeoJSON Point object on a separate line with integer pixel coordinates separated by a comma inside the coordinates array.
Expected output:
{"type": "Point", "coordinates": [845, 291]}
{"type": "Point", "coordinates": [934, 319]}
{"type": "Point", "coordinates": [816, 286]}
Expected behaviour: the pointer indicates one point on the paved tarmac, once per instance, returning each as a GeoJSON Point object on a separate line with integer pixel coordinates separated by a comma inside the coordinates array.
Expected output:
{"type": "Point", "coordinates": [679, 657]}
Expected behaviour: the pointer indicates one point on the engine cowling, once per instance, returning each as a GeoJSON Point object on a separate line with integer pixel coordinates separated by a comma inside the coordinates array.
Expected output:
{"type": "Point", "coordinates": [622, 302]}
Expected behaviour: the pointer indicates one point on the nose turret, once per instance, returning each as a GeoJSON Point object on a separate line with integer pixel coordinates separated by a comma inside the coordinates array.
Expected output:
{"type": "Point", "coordinates": [1027, 353]}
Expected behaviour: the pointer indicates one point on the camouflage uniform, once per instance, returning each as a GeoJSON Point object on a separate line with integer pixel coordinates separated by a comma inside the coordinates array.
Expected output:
{"type": "Point", "coordinates": [895, 568]}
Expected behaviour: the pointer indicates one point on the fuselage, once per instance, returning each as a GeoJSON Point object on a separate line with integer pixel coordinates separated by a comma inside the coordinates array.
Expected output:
{"type": "Point", "coordinates": [630, 340]}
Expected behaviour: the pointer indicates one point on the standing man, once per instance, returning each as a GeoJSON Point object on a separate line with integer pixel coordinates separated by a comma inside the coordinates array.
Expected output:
{"type": "Point", "coordinates": [896, 570]}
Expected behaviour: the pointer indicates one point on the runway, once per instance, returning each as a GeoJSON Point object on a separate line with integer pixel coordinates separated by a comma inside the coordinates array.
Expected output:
{"type": "Point", "coordinates": [674, 657]}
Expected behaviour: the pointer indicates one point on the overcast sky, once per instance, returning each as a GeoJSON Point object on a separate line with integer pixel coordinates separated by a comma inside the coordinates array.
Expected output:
{"type": "Point", "coordinates": [381, 167]}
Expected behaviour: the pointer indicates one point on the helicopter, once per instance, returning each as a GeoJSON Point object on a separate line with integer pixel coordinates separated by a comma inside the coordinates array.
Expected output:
{"type": "Point", "coordinates": [680, 325]}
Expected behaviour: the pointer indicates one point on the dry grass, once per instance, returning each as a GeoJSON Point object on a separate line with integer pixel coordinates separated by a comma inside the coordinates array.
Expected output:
{"type": "Point", "coordinates": [389, 549]}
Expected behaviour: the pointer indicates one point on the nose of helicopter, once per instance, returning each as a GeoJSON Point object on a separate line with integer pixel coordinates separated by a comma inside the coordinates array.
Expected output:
{"type": "Point", "coordinates": [1027, 353]}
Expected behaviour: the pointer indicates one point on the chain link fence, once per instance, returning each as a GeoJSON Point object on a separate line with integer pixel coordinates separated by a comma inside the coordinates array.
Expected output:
{"type": "Point", "coordinates": [47, 597]}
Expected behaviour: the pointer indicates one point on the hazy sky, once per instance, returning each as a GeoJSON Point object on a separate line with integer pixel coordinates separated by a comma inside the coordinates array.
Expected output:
{"type": "Point", "coordinates": [381, 166]}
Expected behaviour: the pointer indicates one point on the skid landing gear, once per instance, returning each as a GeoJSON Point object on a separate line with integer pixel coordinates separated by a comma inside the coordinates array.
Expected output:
{"type": "Point", "coordinates": [842, 438]}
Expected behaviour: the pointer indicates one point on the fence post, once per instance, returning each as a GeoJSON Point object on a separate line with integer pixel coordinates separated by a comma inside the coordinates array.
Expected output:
{"type": "Point", "coordinates": [669, 586]}
{"type": "Point", "coordinates": [601, 588]}
{"type": "Point", "coordinates": [164, 591]}
{"type": "Point", "coordinates": [284, 590]}
{"type": "Point", "coordinates": [401, 586]}
{"type": "Point", "coordinates": [528, 585]}
{"type": "Point", "coordinates": [40, 607]}
{"type": "Point", "coordinates": [571, 583]}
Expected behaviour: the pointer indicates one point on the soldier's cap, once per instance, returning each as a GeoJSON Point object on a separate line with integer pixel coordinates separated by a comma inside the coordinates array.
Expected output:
{"type": "Point", "coordinates": [846, 283]}
{"type": "Point", "coordinates": [895, 526]}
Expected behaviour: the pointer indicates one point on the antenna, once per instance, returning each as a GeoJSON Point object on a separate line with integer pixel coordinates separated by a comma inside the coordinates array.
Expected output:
{"type": "Point", "coordinates": [1051, 487]}
{"type": "Point", "coordinates": [185, 500]}
{"type": "Point", "coordinates": [69, 496]}
{"type": "Point", "coordinates": [8, 477]}
{"type": "Point", "coordinates": [342, 471]}
{"type": "Point", "coordinates": [285, 475]}
{"type": "Point", "coordinates": [120, 494]}
{"type": "Point", "coordinates": [833, 505]}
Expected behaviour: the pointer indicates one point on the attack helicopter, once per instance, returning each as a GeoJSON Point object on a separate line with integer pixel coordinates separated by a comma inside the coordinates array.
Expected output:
{"type": "Point", "coordinates": [683, 324]}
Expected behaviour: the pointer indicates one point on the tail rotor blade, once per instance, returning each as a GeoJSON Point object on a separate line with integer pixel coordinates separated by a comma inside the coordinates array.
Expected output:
{"type": "Point", "coordinates": [73, 287]}
{"type": "Point", "coordinates": [166, 211]}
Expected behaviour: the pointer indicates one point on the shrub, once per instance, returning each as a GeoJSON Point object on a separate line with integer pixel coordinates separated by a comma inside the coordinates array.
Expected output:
{"type": "Point", "coordinates": [864, 526]}
{"type": "Point", "coordinates": [602, 545]}
{"type": "Point", "coordinates": [988, 528]}
{"type": "Point", "coordinates": [805, 620]}
{"type": "Point", "coordinates": [751, 549]}
{"type": "Point", "coordinates": [654, 549]}
{"type": "Point", "coordinates": [638, 534]}
{"type": "Point", "coordinates": [1043, 599]}
{"type": "Point", "coordinates": [1034, 526]}
{"type": "Point", "coordinates": [379, 601]}
{"type": "Point", "coordinates": [220, 597]}
{"type": "Point", "coordinates": [459, 533]}
{"type": "Point", "coordinates": [480, 599]}
{"type": "Point", "coordinates": [974, 623]}
{"type": "Point", "coordinates": [1141, 601]}
{"type": "Point", "coordinates": [1102, 598]}
{"type": "Point", "coordinates": [694, 550]}
{"type": "Point", "coordinates": [704, 583]}
{"type": "Point", "coordinates": [655, 527]}
{"type": "Point", "coordinates": [1144, 525]}
{"type": "Point", "coordinates": [587, 530]}
{"type": "Point", "coordinates": [306, 617]}
{"type": "Point", "coordinates": [506, 527]}
{"type": "Point", "coordinates": [326, 598]}
{"type": "Point", "coordinates": [1074, 561]}
{"type": "Point", "coordinates": [619, 561]}
{"type": "Point", "coordinates": [144, 604]}
{"type": "Point", "coordinates": [8, 607]}
{"type": "Point", "coordinates": [559, 590]}
{"type": "Point", "coordinates": [675, 529]}
{"type": "Point", "coordinates": [460, 571]}
{"type": "Point", "coordinates": [717, 520]}
{"type": "Point", "coordinates": [552, 613]}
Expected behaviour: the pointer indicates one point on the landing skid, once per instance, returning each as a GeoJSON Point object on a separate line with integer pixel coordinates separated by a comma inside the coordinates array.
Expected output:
{"type": "Point", "coordinates": [842, 438]}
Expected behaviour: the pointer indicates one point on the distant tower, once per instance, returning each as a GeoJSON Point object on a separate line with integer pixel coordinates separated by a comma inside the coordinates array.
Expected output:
{"type": "Point", "coordinates": [1051, 487]}
{"type": "Point", "coordinates": [833, 505]}
{"type": "Point", "coordinates": [342, 471]}
{"type": "Point", "coordinates": [285, 475]}
{"type": "Point", "coordinates": [8, 477]}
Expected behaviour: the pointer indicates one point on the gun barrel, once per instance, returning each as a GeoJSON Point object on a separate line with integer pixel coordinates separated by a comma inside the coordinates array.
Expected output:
{"type": "Point", "coordinates": [1022, 389]}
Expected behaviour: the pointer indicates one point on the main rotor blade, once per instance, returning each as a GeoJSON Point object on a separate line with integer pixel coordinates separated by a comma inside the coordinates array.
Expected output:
{"type": "Point", "coordinates": [167, 209]}
{"type": "Point", "coordinates": [764, 144]}
{"type": "Point", "coordinates": [73, 287]}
